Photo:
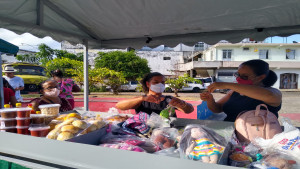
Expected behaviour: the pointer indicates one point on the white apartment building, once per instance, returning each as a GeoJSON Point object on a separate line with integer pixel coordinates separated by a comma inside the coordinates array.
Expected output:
{"type": "Point", "coordinates": [222, 60]}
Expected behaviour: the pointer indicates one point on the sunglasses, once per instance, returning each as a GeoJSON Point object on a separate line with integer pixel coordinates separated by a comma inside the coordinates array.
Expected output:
{"type": "Point", "coordinates": [236, 74]}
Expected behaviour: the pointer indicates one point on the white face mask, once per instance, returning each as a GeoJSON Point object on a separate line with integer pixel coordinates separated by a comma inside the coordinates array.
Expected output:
{"type": "Point", "coordinates": [157, 88]}
{"type": "Point", "coordinates": [53, 93]}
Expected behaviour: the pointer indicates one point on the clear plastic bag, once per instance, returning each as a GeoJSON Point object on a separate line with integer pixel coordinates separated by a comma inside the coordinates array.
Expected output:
{"type": "Point", "coordinates": [145, 144]}
{"type": "Point", "coordinates": [287, 142]}
{"type": "Point", "coordinates": [164, 137]}
{"type": "Point", "coordinates": [157, 121]}
{"type": "Point", "coordinates": [124, 146]}
{"type": "Point", "coordinates": [201, 144]}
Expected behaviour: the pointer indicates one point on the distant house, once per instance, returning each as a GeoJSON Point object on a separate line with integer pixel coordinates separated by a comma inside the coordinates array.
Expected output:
{"type": "Point", "coordinates": [9, 58]}
{"type": "Point", "coordinates": [222, 60]}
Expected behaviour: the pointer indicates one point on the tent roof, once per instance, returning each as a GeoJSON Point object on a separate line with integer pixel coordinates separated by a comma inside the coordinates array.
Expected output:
{"type": "Point", "coordinates": [120, 24]}
{"type": "Point", "coordinates": [6, 47]}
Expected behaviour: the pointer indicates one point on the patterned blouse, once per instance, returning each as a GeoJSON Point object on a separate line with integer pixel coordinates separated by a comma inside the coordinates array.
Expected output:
{"type": "Point", "coordinates": [66, 86]}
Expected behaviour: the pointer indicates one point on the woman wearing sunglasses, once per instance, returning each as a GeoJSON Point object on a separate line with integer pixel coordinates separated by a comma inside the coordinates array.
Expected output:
{"type": "Point", "coordinates": [253, 87]}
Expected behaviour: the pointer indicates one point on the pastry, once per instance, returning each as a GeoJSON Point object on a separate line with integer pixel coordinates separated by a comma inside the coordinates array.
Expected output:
{"type": "Point", "coordinates": [72, 115]}
{"type": "Point", "coordinates": [65, 136]}
{"type": "Point", "coordinates": [61, 117]}
{"type": "Point", "coordinates": [80, 124]}
{"type": "Point", "coordinates": [99, 124]}
{"type": "Point", "coordinates": [53, 134]}
{"type": "Point", "coordinates": [70, 128]}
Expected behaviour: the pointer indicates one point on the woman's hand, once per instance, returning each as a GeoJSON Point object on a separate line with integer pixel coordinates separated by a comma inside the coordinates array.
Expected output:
{"type": "Point", "coordinates": [217, 85]}
{"type": "Point", "coordinates": [177, 102]}
{"type": "Point", "coordinates": [206, 96]}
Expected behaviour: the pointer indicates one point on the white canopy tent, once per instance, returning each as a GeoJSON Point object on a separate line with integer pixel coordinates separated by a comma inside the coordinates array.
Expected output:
{"type": "Point", "coordinates": [129, 23]}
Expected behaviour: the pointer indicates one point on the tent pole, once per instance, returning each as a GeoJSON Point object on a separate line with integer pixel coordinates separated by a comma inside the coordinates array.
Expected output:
{"type": "Point", "coordinates": [1, 84]}
{"type": "Point", "coordinates": [86, 69]}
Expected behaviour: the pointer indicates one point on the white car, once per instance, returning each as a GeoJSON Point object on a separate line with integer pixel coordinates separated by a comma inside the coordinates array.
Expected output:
{"type": "Point", "coordinates": [130, 86]}
{"type": "Point", "coordinates": [193, 86]}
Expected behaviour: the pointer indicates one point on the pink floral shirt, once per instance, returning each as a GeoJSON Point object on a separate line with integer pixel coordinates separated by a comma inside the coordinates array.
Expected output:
{"type": "Point", "coordinates": [66, 86]}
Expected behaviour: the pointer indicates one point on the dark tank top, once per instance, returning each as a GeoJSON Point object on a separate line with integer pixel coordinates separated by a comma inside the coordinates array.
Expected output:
{"type": "Point", "coordinates": [149, 107]}
{"type": "Point", "coordinates": [239, 103]}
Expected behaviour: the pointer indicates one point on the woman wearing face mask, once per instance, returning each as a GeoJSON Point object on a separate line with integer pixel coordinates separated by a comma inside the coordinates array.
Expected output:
{"type": "Point", "coordinates": [253, 87]}
{"type": "Point", "coordinates": [50, 92]}
{"type": "Point", "coordinates": [154, 101]}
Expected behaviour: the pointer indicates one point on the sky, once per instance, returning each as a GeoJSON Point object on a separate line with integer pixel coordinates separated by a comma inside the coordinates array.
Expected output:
{"type": "Point", "coordinates": [29, 42]}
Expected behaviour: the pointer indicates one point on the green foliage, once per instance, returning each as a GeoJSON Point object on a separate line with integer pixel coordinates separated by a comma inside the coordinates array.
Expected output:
{"type": "Point", "coordinates": [180, 82]}
{"type": "Point", "coordinates": [131, 65]}
{"type": "Point", "coordinates": [28, 58]}
{"type": "Point", "coordinates": [139, 85]}
{"type": "Point", "coordinates": [65, 54]}
{"type": "Point", "coordinates": [45, 54]}
{"type": "Point", "coordinates": [68, 66]}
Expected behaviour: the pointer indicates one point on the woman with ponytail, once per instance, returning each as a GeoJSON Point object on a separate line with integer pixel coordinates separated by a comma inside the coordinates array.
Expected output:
{"type": "Point", "coordinates": [253, 87]}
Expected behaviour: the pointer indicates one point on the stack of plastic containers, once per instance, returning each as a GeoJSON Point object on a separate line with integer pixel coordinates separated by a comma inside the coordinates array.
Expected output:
{"type": "Point", "coordinates": [23, 119]}
{"type": "Point", "coordinates": [8, 119]}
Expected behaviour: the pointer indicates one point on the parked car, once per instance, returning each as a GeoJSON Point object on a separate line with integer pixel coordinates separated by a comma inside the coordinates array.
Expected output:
{"type": "Point", "coordinates": [32, 75]}
{"type": "Point", "coordinates": [130, 86]}
{"type": "Point", "coordinates": [193, 86]}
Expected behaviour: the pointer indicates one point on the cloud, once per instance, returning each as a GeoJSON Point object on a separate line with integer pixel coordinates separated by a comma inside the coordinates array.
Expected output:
{"type": "Point", "coordinates": [27, 41]}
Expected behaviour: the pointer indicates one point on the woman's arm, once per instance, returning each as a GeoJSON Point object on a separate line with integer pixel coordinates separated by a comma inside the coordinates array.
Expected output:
{"type": "Point", "coordinates": [182, 105]}
{"type": "Point", "coordinates": [270, 96]}
{"type": "Point", "coordinates": [130, 103]}
{"type": "Point", "coordinates": [216, 107]}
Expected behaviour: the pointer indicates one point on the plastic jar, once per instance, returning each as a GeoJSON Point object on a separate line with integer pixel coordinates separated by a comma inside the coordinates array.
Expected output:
{"type": "Point", "coordinates": [23, 112]}
{"type": "Point", "coordinates": [37, 119]}
{"type": "Point", "coordinates": [8, 122]}
{"type": "Point", "coordinates": [8, 113]}
{"type": "Point", "coordinates": [23, 130]}
{"type": "Point", "coordinates": [23, 121]}
{"type": "Point", "coordinates": [39, 131]}
{"type": "Point", "coordinates": [8, 129]}
{"type": "Point", "coordinates": [49, 109]}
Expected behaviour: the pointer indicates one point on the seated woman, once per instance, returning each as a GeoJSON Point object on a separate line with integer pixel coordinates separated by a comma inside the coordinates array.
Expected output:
{"type": "Point", "coordinates": [50, 92]}
{"type": "Point", "coordinates": [9, 94]}
{"type": "Point", "coordinates": [253, 87]}
{"type": "Point", "coordinates": [154, 101]}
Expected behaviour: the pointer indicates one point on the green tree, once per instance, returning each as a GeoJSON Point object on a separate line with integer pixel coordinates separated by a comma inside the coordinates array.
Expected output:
{"type": "Point", "coordinates": [180, 82]}
{"type": "Point", "coordinates": [131, 65]}
{"type": "Point", "coordinates": [65, 54]}
{"type": "Point", "coordinates": [45, 54]}
{"type": "Point", "coordinates": [68, 66]}
{"type": "Point", "coordinates": [30, 58]}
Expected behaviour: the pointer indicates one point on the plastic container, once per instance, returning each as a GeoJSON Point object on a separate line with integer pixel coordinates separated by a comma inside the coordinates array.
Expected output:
{"type": "Point", "coordinates": [7, 106]}
{"type": "Point", "coordinates": [23, 112]}
{"type": "Point", "coordinates": [49, 109]}
{"type": "Point", "coordinates": [48, 119]}
{"type": "Point", "coordinates": [23, 130]}
{"type": "Point", "coordinates": [8, 122]}
{"type": "Point", "coordinates": [8, 113]}
{"type": "Point", "coordinates": [30, 106]}
{"type": "Point", "coordinates": [8, 129]}
{"type": "Point", "coordinates": [39, 131]}
{"type": "Point", "coordinates": [37, 119]}
{"type": "Point", "coordinates": [23, 121]}
{"type": "Point", "coordinates": [18, 105]}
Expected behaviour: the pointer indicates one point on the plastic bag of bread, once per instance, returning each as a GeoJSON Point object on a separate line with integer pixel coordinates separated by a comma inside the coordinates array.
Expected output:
{"type": "Point", "coordinates": [65, 136]}
{"type": "Point", "coordinates": [164, 137]}
{"type": "Point", "coordinates": [94, 125]}
{"type": "Point", "coordinates": [116, 119]}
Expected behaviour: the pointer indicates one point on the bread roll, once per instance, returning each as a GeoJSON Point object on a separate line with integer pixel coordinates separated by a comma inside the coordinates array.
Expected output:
{"type": "Point", "coordinates": [99, 124]}
{"type": "Point", "coordinates": [69, 128]}
{"type": "Point", "coordinates": [65, 136]}
{"type": "Point", "coordinates": [80, 124]}
{"type": "Point", "coordinates": [66, 122]}
{"type": "Point", "coordinates": [61, 117]}
{"type": "Point", "coordinates": [53, 134]}
{"type": "Point", "coordinates": [92, 127]}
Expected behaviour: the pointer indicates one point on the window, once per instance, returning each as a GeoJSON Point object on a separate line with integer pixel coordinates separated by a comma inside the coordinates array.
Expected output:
{"type": "Point", "coordinates": [263, 54]}
{"type": "Point", "coordinates": [134, 82]}
{"type": "Point", "coordinates": [30, 70]}
{"type": "Point", "coordinates": [227, 54]}
{"type": "Point", "coordinates": [167, 58]}
{"type": "Point", "coordinates": [225, 73]}
{"type": "Point", "coordinates": [290, 54]}
{"type": "Point", "coordinates": [246, 49]}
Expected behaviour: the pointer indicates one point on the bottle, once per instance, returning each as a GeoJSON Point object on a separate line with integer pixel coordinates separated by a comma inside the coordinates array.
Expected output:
{"type": "Point", "coordinates": [30, 106]}
{"type": "Point", "coordinates": [18, 105]}
{"type": "Point", "coordinates": [7, 106]}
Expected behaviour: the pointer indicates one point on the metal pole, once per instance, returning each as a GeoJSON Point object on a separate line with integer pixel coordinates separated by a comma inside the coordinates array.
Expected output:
{"type": "Point", "coordinates": [1, 84]}
{"type": "Point", "coordinates": [86, 73]}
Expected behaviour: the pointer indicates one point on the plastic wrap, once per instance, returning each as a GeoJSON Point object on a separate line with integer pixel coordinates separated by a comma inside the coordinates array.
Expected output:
{"type": "Point", "coordinates": [145, 144]}
{"type": "Point", "coordinates": [164, 137]}
{"type": "Point", "coordinates": [124, 146]}
{"type": "Point", "coordinates": [169, 111]}
{"type": "Point", "coordinates": [201, 144]}
{"type": "Point", "coordinates": [276, 160]}
{"type": "Point", "coordinates": [157, 121]}
{"type": "Point", "coordinates": [287, 142]}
